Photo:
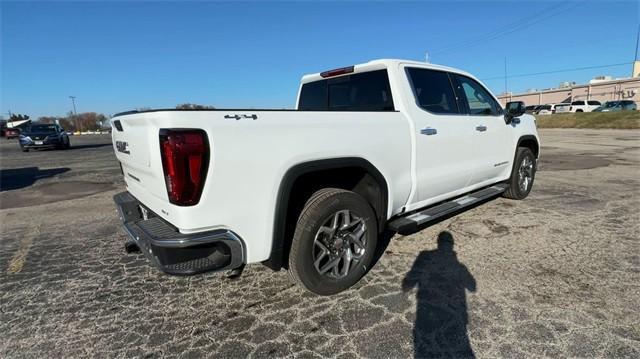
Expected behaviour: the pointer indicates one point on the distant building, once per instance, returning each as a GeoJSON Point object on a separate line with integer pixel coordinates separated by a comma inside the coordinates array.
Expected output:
{"type": "Point", "coordinates": [600, 88]}
{"type": "Point", "coordinates": [597, 89]}
{"type": "Point", "coordinates": [18, 124]}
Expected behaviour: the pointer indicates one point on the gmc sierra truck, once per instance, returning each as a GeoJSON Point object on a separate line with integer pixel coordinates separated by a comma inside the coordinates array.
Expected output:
{"type": "Point", "coordinates": [386, 145]}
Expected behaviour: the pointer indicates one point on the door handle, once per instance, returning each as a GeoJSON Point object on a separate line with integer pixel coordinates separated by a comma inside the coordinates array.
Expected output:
{"type": "Point", "coordinates": [429, 131]}
{"type": "Point", "coordinates": [481, 128]}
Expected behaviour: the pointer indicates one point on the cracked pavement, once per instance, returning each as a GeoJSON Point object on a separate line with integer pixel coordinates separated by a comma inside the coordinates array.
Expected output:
{"type": "Point", "coordinates": [555, 275]}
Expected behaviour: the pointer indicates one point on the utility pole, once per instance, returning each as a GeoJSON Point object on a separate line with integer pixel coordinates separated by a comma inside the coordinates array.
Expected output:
{"type": "Point", "coordinates": [75, 114]}
{"type": "Point", "coordinates": [637, 42]}
{"type": "Point", "coordinates": [505, 76]}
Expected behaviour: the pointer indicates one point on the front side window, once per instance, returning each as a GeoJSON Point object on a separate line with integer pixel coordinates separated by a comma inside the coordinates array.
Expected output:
{"type": "Point", "coordinates": [366, 91]}
{"type": "Point", "coordinates": [478, 99]}
{"type": "Point", "coordinates": [433, 91]}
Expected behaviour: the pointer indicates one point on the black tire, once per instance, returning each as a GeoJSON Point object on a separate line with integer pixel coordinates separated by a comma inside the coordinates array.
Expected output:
{"type": "Point", "coordinates": [515, 190]}
{"type": "Point", "coordinates": [324, 206]}
{"type": "Point", "coordinates": [24, 149]}
{"type": "Point", "coordinates": [67, 144]}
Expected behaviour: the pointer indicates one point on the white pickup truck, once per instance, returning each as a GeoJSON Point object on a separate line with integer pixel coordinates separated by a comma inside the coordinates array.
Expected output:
{"type": "Point", "coordinates": [386, 145]}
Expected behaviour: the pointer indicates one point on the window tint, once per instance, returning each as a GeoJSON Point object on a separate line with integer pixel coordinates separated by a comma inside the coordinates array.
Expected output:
{"type": "Point", "coordinates": [479, 100]}
{"type": "Point", "coordinates": [367, 91]}
{"type": "Point", "coordinates": [433, 90]}
{"type": "Point", "coordinates": [577, 103]}
{"type": "Point", "coordinates": [596, 103]}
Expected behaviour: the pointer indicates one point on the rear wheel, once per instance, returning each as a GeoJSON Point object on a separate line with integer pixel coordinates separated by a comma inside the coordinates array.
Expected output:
{"type": "Point", "coordinates": [522, 174]}
{"type": "Point", "coordinates": [334, 241]}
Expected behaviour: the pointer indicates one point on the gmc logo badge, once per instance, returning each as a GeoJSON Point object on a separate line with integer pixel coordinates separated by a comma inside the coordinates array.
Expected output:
{"type": "Point", "coordinates": [121, 146]}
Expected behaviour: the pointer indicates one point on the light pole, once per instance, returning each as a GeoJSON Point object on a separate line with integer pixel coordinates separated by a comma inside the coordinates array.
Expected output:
{"type": "Point", "coordinates": [75, 114]}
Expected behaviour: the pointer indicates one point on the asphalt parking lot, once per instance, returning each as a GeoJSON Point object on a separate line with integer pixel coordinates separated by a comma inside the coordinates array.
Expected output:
{"type": "Point", "coordinates": [555, 275]}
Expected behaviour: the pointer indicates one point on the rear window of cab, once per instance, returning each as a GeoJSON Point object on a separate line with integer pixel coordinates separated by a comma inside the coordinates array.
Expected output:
{"type": "Point", "coordinates": [365, 91]}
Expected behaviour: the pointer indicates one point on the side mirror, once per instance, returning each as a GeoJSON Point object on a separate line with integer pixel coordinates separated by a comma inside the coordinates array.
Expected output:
{"type": "Point", "coordinates": [513, 109]}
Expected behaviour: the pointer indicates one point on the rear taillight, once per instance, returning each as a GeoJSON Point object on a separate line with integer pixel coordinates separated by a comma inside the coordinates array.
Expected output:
{"type": "Point", "coordinates": [185, 158]}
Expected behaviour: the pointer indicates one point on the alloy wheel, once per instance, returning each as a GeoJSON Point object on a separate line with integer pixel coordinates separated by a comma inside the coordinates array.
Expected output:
{"type": "Point", "coordinates": [525, 174]}
{"type": "Point", "coordinates": [339, 244]}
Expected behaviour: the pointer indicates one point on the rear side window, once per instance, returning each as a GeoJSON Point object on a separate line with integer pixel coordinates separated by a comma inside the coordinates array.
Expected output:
{"type": "Point", "coordinates": [313, 96]}
{"type": "Point", "coordinates": [479, 100]}
{"type": "Point", "coordinates": [367, 91]}
{"type": "Point", "coordinates": [577, 103]}
{"type": "Point", "coordinates": [433, 91]}
{"type": "Point", "coordinates": [594, 103]}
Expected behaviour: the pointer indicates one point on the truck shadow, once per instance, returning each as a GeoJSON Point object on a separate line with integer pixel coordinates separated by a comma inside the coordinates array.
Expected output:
{"type": "Point", "coordinates": [440, 327]}
{"type": "Point", "coordinates": [16, 178]}
{"type": "Point", "coordinates": [384, 239]}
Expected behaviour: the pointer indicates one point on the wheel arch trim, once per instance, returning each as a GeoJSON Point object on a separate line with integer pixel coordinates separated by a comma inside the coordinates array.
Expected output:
{"type": "Point", "coordinates": [530, 138]}
{"type": "Point", "coordinates": [276, 257]}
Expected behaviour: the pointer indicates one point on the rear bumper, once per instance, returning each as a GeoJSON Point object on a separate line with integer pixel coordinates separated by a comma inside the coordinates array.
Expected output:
{"type": "Point", "coordinates": [174, 252]}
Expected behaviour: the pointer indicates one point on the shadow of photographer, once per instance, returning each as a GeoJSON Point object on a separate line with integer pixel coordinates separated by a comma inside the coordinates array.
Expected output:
{"type": "Point", "coordinates": [441, 315]}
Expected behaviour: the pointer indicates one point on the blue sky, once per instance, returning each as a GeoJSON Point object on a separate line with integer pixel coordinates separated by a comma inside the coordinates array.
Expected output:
{"type": "Point", "coordinates": [116, 56]}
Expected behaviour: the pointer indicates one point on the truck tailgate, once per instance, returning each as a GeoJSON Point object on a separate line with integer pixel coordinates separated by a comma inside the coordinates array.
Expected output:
{"type": "Point", "coordinates": [136, 145]}
{"type": "Point", "coordinates": [130, 141]}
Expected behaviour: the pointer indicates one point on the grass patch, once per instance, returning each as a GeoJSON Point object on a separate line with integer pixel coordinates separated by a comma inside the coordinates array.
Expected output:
{"type": "Point", "coordinates": [622, 120]}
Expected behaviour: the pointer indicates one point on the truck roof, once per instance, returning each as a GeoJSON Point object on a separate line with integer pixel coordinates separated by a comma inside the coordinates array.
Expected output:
{"type": "Point", "coordinates": [385, 63]}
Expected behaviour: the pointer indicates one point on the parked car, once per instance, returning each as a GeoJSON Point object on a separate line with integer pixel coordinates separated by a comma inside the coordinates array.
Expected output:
{"type": "Point", "coordinates": [12, 133]}
{"type": "Point", "coordinates": [615, 106]}
{"type": "Point", "coordinates": [389, 144]}
{"type": "Point", "coordinates": [546, 109]}
{"type": "Point", "coordinates": [529, 109]}
{"type": "Point", "coordinates": [39, 136]}
{"type": "Point", "coordinates": [563, 107]}
{"type": "Point", "coordinates": [584, 106]}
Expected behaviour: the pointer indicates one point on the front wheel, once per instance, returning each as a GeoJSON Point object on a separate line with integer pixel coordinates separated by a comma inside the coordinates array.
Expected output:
{"type": "Point", "coordinates": [522, 174]}
{"type": "Point", "coordinates": [334, 241]}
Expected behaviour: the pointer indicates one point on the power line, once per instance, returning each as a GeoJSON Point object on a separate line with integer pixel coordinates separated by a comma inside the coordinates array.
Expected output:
{"type": "Point", "coordinates": [557, 71]}
{"type": "Point", "coordinates": [510, 28]}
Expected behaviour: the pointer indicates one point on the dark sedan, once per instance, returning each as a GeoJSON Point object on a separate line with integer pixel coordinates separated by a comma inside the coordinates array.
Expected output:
{"type": "Point", "coordinates": [44, 136]}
